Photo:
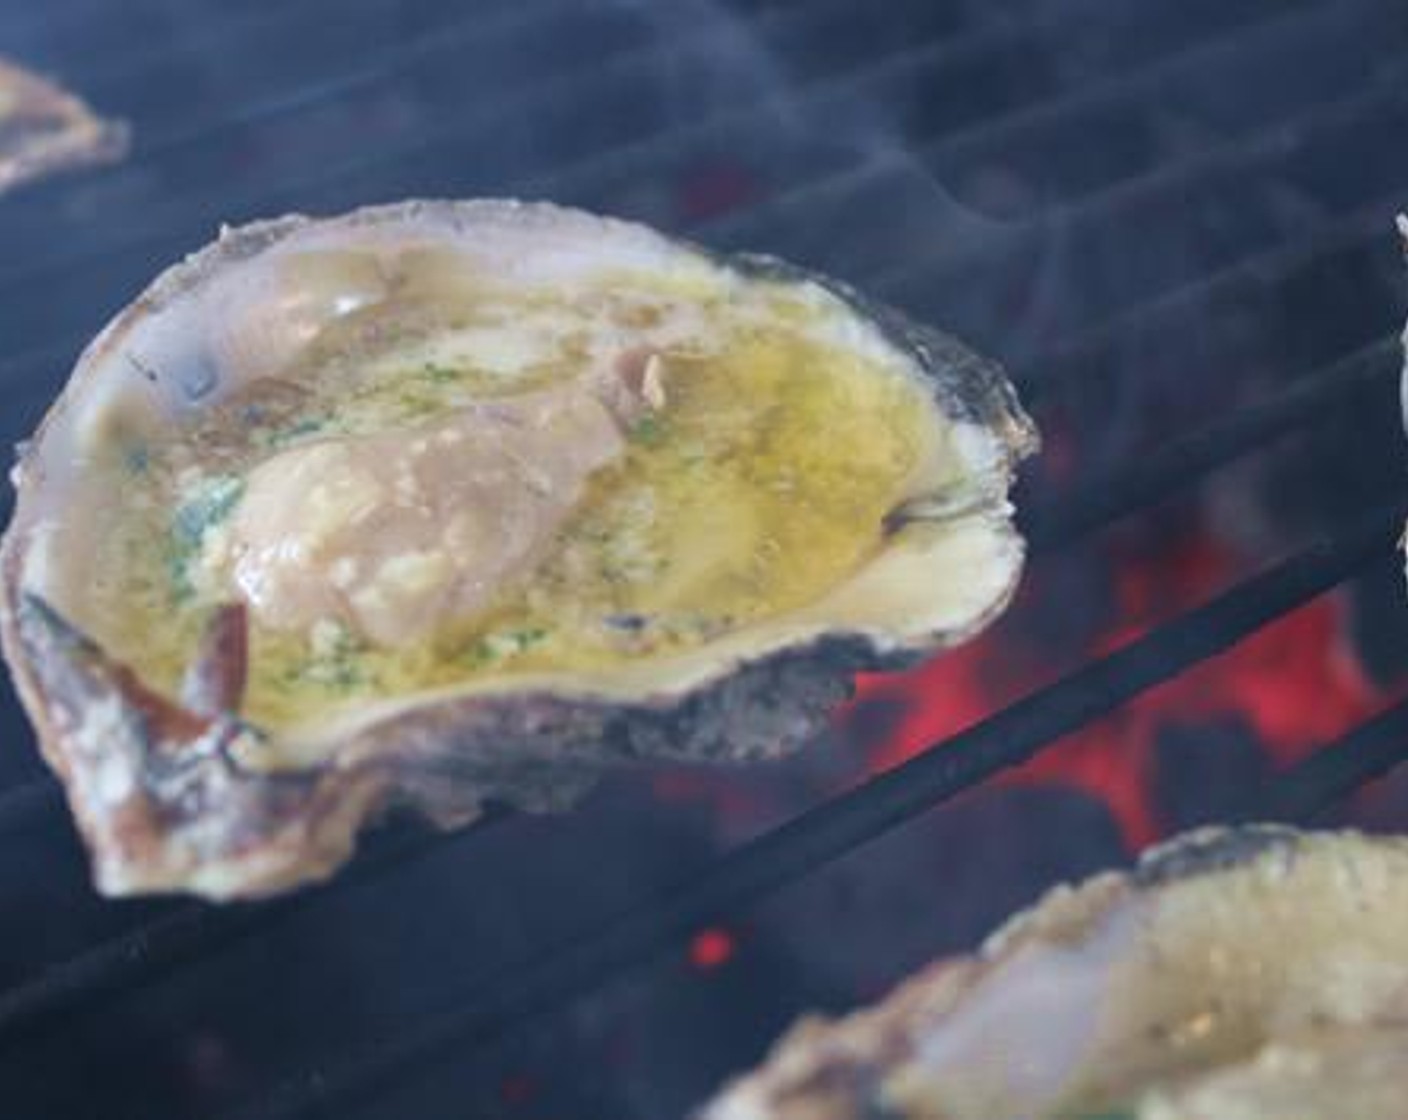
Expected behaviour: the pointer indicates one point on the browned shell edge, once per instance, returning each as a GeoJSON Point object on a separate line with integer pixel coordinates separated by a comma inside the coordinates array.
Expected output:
{"type": "Point", "coordinates": [226, 831]}
{"type": "Point", "coordinates": [84, 139]}
{"type": "Point", "coordinates": [825, 1069]}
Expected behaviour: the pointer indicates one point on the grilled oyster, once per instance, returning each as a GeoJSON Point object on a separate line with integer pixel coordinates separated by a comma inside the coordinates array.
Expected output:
{"type": "Point", "coordinates": [441, 502]}
{"type": "Point", "coordinates": [44, 129]}
{"type": "Point", "coordinates": [1251, 974]}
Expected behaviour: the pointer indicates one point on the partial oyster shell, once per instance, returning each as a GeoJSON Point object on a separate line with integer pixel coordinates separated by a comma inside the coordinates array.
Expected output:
{"type": "Point", "coordinates": [1401, 223]}
{"type": "Point", "coordinates": [43, 129]}
{"type": "Point", "coordinates": [1243, 974]}
{"type": "Point", "coordinates": [184, 785]}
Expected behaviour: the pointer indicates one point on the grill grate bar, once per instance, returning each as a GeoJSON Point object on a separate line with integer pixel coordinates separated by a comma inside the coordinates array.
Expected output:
{"type": "Point", "coordinates": [1084, 216]}
{"type": "Point", "coordinates": [1108, 91]}
{"type": "Point", "coordinates": [1315, 784]}
{"type": "Point", "coordinates": [189, 931]}
{"type": "Point", "coordinates": [1112, 494]}
{"type": "Point", "coordinates": [1170, 311]}
{"type": "Point", "coordinates": [394, 64]}
{"type": "Point", "coordinates": [147, 952]}
{"type": "Point", "coordinates": [643, 157]}
{"type": "Point", "coordinates": [828, 832]}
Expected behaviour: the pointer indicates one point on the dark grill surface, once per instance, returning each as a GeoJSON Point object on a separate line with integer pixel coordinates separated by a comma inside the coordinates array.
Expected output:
{"type": "Point", "coordinates": [1172, 220]}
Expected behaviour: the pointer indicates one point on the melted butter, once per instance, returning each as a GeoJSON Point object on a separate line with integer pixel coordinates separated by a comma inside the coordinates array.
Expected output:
{"type": "Point", "coordinates": [761, 483]}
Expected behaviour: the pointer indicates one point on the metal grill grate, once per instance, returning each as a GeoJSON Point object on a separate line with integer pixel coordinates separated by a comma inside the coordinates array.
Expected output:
{"type": "Point", "coordinates": [1104, 198]}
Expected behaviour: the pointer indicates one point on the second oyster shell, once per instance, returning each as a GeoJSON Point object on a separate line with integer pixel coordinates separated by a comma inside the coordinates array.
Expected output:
{"type": "Point", "coordinates": [1243, 974]}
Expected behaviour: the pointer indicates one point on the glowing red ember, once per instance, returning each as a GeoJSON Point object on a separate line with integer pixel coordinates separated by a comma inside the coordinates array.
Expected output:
{"type": "Point", "coordinates": [1295, 683]}
{"type": "Point", "coordinates": [710, 948]}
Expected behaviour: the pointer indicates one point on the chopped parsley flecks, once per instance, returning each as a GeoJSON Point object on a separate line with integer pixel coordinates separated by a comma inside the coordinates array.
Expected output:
{"type": "Point", "coordinates": [335, 661]}
{"type": "Point", "coordinates": [501, 644]}
{"type": "Point", "coordinates": [213, 501]}
{"type": "Point", "coordinates": [648, 431]}
{"type": "Point", "coordinates": [282, 437]}
{"type": "Point", "coordinates": [438, 374]}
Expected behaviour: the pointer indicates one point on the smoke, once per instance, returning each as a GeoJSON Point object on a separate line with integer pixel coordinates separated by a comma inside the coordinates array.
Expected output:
{"type": "Point", "coordinates": [760, 152]}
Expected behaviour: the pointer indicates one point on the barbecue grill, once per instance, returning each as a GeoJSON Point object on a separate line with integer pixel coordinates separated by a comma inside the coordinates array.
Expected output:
{"type": "Point", "coordinates": [1171, 220]}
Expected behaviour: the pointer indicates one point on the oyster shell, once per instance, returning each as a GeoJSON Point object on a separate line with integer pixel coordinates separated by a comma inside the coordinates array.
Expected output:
{"type": "Point", "coordinates": [1247, 974]}
{"type": "Point", "coordinates": [44, 129]}
{"type": "Point", "coordinates": [1401, 224]}
{"type": "Point", "coordinates": [444, 502]}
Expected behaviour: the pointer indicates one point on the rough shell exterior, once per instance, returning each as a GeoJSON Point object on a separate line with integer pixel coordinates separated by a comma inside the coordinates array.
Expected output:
{"type": "Point", "coordinates": [160, 793]}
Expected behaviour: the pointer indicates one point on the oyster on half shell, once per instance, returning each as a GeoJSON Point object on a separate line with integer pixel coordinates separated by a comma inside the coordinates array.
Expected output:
{"type": "Point", "coordinates": [452, 501]}
{"type": "Point", "coordinates": [45, 129]}
{"type": "Point", "coordinates": [1236, 974]}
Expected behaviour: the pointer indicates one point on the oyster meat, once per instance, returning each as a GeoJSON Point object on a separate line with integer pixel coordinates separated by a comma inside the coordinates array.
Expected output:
{"type": "Point", "coordinates": [1242, 974]}
{"type": "Point", "coordinates": [44, 129]}
{"type": "Point", "coordinates": [444, 502]}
